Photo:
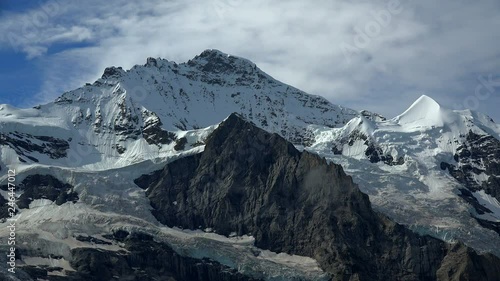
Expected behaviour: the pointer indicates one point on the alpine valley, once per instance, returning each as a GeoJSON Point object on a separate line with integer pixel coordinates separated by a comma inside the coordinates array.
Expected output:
{"type": "Point", "coordinates": [213, 170]}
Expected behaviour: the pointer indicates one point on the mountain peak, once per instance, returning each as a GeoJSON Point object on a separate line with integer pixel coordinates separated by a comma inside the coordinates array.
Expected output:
{"type": "Point", "coordinates": [426, 101]}
{"type": "Point", "coordinates": [213, 52]}
{"type": "Point", "coordinates": [153, 61]}
{"type": "Point", "coordinates": [236, 130]}
{"type": "Point", "coordinates": [425, 111]}
{"type": "Point", "coordinates": [112, 71]}
{"type": "Point", "coordinates": [215, 61]}
{"type": "Point", "coordinates": [199, 93]}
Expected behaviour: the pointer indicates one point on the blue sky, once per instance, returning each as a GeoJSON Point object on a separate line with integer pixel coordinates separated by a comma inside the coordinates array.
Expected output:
{"type": "Point", "coordinates": [378, 55]}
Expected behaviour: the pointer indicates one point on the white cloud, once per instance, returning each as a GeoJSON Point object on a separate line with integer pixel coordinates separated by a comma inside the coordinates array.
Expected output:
{"type": "Point", "coordinates": [34, 51]}
{"type": "Point", "coordinates": [436, 48]}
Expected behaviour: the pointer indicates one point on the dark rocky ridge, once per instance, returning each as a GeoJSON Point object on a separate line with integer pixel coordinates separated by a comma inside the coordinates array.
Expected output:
{"type": "Point", "coordinates": [253, 182]}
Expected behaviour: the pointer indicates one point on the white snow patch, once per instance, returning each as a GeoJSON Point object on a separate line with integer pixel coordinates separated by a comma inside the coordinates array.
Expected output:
{"type": "Point", "coordinates": [51, 262]}
{"type": "Point", "coordinates": [304, 263]}
{"type": "Point", "coordinates": [489, 202]}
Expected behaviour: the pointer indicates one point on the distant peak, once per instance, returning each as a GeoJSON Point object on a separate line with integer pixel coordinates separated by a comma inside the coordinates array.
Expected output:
{"type": "Point", "coordinates": [213, 52]}
{"type": "Point", "coordinates": [211, 55]}
{"type": "Point", "coordinates": [215, 61]}
{"type": "Point", "coordinates": [112, 72]}
{"type": "Point", "coordinates": [422, 105]}
{"type": "Point", "coordinates": [426, 100]}
{"type": "Point", "coordinates": [425, 111]}
{"type": "Point", "coordinates": [152, 61]}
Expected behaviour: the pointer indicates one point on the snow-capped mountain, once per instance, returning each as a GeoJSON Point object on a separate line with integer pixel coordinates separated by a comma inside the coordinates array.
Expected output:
{"type": "Point", "coordinates": [81, 160]}
{"type": "Point", "coordinates": [416, 166]}
{"type": "Point", "coordinates": [143, 112]}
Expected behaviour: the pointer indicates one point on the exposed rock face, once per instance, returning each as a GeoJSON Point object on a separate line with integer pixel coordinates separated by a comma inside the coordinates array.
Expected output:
{"type": "Point", "coordinates": [153, 132]}
{"type": "Point", "coordinates": [251, 182]}
{"type": "Point", "coordinates": [91, 239]}
{"type": "Point", "coordinates": [478, 155]}
{"type": "Point", "coordinates": [375, 155]}
{"type": "Point", "coordinates": [373, 151]}
{"type": "Point", "coordinates": [4, 208]}
{"type": "Point", "coordinates": [110, 72]}
{"type": "Point", "coordinates": [43, 187]}
{"type": "Point", "coordinates": [211, 64]}
{"type": "Point", "coordinates": [180, 144]}
{"type": "Point", "coordinates": [126, 121]}
{"type": "Point", "coordinates": [24, 144]}
{"type": "Point", "coordinates": [463, 263]}
{"type": "Point", "coordinates": [372, 116]}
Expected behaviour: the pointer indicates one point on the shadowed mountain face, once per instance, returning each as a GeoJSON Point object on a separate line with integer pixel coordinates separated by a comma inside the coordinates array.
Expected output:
{"type": "Point", "coordinates": [249, 181]}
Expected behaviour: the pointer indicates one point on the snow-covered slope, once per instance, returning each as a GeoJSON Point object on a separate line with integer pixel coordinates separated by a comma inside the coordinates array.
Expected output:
{"type": "Point", "coordinates": [423, 113]}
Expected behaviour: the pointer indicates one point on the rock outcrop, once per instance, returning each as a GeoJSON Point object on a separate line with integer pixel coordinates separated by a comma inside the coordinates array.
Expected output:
{"type": "Point", "coordinates": [43, 187]}
{"type": "Point", "coordinates": [24, 144]}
